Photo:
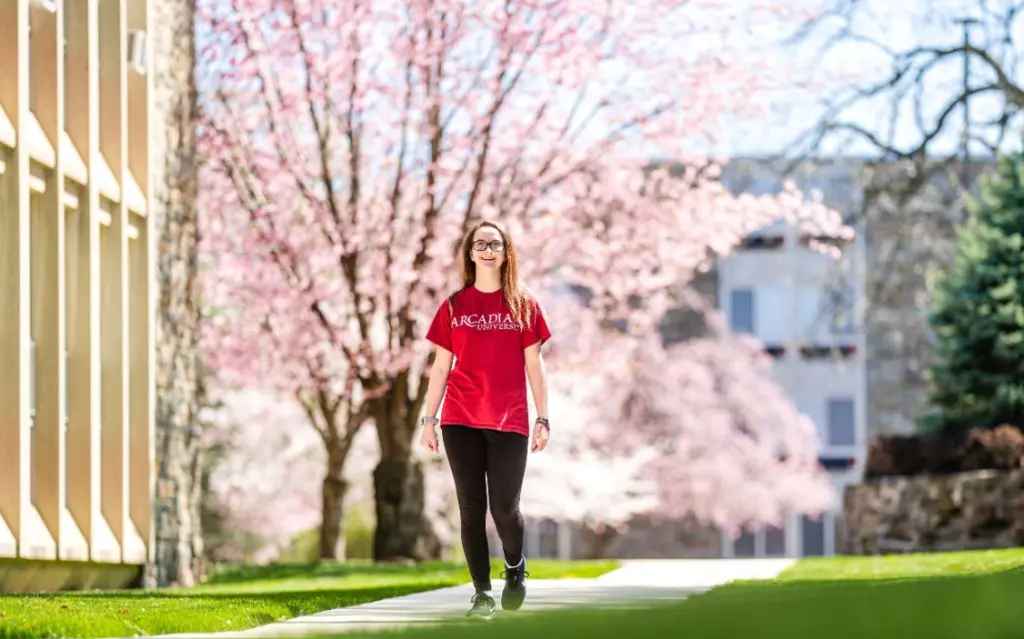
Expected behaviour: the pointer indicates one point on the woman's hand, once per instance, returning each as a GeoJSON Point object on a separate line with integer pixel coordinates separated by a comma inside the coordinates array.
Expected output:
{"type": "Point", "coordinates": [540, 437]}
{"type": "Point", "coordinates": [428, 437]}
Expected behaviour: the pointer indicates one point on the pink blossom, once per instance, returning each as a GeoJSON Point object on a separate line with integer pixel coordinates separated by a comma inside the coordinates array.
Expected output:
{"type": "Point", "coordinates": [347, 146]}
{"type": "Point", "coordinates": [698, 428]}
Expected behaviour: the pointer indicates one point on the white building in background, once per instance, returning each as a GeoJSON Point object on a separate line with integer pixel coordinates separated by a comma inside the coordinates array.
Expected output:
{"type": "Point", "coordinates": [805, 307]}
{"type": "Point", "coordinates": [801, 304]}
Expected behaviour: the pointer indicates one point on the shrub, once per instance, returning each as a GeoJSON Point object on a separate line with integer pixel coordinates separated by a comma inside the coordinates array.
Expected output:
{"type": "Point", "coordinates": [946, 452]}
{"type": "Point", "coordinates": [358, 526]}
{"type": "Point", "coordinates": [1000, 448]}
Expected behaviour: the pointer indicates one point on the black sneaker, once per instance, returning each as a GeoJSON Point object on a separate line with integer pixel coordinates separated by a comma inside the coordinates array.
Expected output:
{"type": "Point", "coordinates": [515, 586]}
{"type": "Point", "coordinates": [483, 606]}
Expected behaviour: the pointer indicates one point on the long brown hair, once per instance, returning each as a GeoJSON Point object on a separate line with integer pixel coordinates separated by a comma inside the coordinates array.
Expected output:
{"type": "Point", "coordinates": [515, 292]}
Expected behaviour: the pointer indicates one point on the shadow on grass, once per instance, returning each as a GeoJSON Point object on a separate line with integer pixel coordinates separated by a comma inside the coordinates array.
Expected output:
{"type": "Point", "coordinates": [342, 595]}
{"type": "Point", "coordinates": [244, 573]}
{"type": "Point", "coordinates": [123, 614]}
{"type": "Point", "coordinates": [540, 569]}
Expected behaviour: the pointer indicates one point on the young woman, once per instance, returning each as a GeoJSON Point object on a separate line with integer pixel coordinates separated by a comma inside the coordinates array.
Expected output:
{"type": "Point", "coordinates": [494, 329]}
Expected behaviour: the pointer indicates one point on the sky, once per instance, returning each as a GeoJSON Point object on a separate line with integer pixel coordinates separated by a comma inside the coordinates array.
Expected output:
{"type": "Point", "coordinates": [900, 25]}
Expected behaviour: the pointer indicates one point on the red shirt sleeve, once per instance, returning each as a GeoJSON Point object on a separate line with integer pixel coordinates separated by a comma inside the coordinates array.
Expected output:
{"type": "Point", "coordinates": [440, 331]}
{"type": "Point", "coordinates": [538, 330]}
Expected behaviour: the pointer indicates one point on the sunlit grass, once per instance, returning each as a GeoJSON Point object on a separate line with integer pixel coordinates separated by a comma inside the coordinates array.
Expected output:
{"type": "Point", "coordinates": [976, 595]}
{"type": "Point", "coordinates": [240, 597]}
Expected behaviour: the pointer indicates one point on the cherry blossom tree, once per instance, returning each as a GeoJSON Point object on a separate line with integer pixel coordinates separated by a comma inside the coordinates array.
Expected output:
{"type": "Point", "coordinates": [599, 489]}
{"type": "Point", "coordinates": [266, 482]}
{"type": "Point", "coordinates": [349, 145]}
{"type": "Point", "coordinates": [695, 428]}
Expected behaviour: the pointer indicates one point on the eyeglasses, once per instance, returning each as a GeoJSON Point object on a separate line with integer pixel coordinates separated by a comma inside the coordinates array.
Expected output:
{"type": "Point", "coordinates": [496, 245]}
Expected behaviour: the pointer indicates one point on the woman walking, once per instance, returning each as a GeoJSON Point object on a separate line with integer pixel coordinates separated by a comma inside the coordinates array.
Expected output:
{"type": "Point", "coordinates": [494, 328]}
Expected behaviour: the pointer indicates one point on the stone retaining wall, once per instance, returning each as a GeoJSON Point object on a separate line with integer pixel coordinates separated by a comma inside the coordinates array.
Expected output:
{"type": "Point", "coordinates": [982, 509]}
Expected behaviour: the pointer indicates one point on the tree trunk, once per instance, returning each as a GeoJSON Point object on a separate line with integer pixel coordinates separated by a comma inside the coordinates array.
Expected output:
{"type": "Point", "coordinates": [403, 532]}
{"type": "Point", "coordinates": [597, 540]}
{"type": "Point", "coordinates": [332, 541]}
{"type": "Point", "coordinates": [178, 533]}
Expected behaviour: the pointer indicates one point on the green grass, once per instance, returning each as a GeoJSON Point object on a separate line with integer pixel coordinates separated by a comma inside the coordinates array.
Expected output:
{"type": "Point", "coordinates": [963, 595]}
{"type": "Point", "coordinates": [236, 598]}
{"type": "Point", "coordinates": [905, 566]}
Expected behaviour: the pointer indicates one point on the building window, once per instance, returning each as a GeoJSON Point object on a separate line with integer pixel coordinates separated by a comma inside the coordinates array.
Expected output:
{"type": "Point", "coordinates": [64, 54]}
{"type": "Point", "coordinates": [764, 542]}
{"type": "Point", "coordinates": [743, 546]}
{"type": "Point", "coordinates": [841, 309]}
{"type": "Point", "coordinates": [741, 311]}
{"type": "Point", "coordinates": [71, 274]}
{"type": "Point", "coordinates": [67, 449]}
{"type": "Point", "coordinates": [841, 426]}
{"type": "Point", "coordinates": [548, 538]}
{"type": "Point", "coordinates": [761, 241]}
{"type": "Point", "coordinates": [808, 311]}
{"type": "Point", "coordinates": [32, 386]}
{"type": "Point", "coordinates": [813, 534]}
{"type": "Point", "coordinates": [840, 295]}
{"type": "Point", "coordinates": [31, 67]}
{"type": "Point", "coordinates": [34, 229]}
{"type": "Point", "coordinates": [775, 542]}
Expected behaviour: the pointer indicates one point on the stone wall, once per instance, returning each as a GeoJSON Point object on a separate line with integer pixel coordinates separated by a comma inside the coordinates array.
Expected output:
{"type": "Point", "coordinates": [177, 535]}
{"type": "Point", "coordinates": [982, 509]}
{"type": "Point", "coordinates": [647, 538]}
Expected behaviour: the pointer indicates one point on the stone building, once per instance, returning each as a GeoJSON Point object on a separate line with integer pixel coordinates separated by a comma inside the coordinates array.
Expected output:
{"type": "Point", "coordinates": [77, 289]}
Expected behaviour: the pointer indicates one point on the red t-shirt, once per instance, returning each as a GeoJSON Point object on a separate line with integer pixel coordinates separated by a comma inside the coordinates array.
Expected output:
{"type": "Point", "coordinates": [487, 384]}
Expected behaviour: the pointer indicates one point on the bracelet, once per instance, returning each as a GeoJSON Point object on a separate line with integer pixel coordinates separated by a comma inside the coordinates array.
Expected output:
{"type": "Point", "coordinates": [433, 420]}
{"type": "Point", "coordinates": [543, 420]}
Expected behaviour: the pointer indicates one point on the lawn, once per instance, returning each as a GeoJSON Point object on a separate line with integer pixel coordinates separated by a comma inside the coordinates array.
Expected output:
{"type": "Point", "coordinates": [962, 595]}
{"type": "Point", "coordinates": [236, 598]}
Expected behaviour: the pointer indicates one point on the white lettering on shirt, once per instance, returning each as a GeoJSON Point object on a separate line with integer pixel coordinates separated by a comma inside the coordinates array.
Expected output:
{"type": "Point", "coordinates": [486, 321]}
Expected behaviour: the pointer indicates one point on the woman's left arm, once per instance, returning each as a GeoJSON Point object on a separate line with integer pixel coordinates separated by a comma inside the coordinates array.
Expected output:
{"type": "Point", "coordinates": [537, 374]}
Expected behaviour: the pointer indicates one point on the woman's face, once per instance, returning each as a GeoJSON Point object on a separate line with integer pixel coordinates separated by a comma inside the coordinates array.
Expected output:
{"type": "Point", "coordinates": [487, 250]}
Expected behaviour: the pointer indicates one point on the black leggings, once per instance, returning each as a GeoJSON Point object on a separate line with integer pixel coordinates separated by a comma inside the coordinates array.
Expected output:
{"type": "Point", "coordinates": [487, 463]}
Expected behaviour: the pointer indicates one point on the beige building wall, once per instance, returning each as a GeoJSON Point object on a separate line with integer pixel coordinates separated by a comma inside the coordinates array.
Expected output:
{"type": "Point", "coordinates": [76, 263]}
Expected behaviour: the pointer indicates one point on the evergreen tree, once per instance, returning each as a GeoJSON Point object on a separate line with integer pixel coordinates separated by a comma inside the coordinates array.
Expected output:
{"type": "Point", "coordinates": [978, 312]}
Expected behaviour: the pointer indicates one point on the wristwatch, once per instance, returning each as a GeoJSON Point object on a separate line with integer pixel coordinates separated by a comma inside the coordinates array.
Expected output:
{"type": "Point", "coordinates": [433, 420]}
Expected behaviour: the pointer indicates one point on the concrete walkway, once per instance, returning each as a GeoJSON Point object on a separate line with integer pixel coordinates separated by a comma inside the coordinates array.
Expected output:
{"type": "Point", "coordinates": [635, 583]}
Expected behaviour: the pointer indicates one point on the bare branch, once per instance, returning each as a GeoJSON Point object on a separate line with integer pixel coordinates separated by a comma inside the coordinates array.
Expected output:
{"type": "Point", "coordinates": [313, 417]}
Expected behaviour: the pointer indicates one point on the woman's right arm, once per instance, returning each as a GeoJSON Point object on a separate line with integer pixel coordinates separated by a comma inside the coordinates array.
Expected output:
{"type": "Point", "coordinates": [435, 390]}
{"type": "Point", "coordinates": [438, 378]}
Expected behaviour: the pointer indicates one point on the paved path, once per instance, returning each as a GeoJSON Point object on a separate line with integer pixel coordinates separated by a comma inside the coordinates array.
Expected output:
{"type": "Point", "coordinates": [636, 582]}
